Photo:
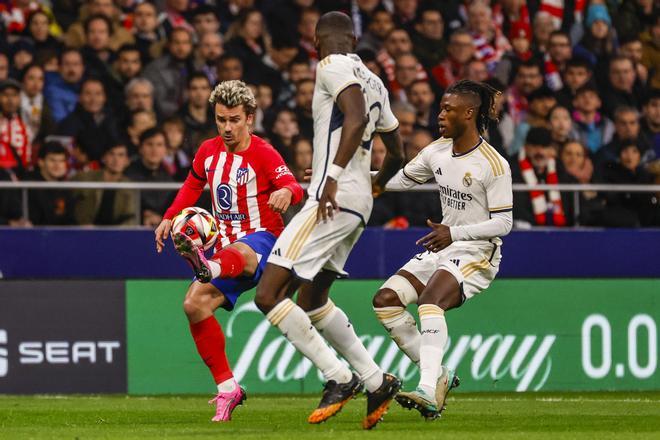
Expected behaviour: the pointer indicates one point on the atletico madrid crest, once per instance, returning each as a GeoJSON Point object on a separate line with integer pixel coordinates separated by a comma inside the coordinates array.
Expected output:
{"type": "Point", "coordinates": [242, 175]}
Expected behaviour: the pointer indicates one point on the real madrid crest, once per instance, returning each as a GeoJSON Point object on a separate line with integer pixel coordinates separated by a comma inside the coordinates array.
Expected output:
{"type": "Point", "coordinates": [467, 179]}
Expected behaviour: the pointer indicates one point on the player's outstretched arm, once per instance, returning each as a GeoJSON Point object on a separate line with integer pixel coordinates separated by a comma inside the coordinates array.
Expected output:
{"type": "Point", "coordinates": [351, 103]}
{"type": "Point", "coordinates": [393, 160]}
{"type": "Point", "coordinates": [162, 232]}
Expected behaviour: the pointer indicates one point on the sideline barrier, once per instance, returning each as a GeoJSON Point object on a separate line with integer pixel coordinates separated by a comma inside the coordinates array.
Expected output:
{"type": "Point", "coordinates": [122, 254]}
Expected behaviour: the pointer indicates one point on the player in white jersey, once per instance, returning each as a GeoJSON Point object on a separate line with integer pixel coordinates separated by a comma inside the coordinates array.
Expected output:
{"type": "Point", "coordinates": [463, 252]}
{"type": "Point", "coordinates": [350, 105]}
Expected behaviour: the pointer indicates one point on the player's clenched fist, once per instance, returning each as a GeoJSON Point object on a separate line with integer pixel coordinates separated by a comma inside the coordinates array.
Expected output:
{"type": "Point", "coordinates": [280, 200]}
{"type": "Point", "coordinates": [436, 240]}
{"type": "Point", "coordinates": [162, 232]}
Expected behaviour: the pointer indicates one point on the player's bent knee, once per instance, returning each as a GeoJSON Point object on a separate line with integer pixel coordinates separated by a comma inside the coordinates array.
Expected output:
{"type": "Point", "coordinates": [386, 297]}
{"type": "Point", "coordinates": [402, 289]}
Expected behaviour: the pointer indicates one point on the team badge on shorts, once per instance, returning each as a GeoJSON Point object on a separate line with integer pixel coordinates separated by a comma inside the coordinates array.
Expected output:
{"type": "Point", "coordinates": [242, 175]}
{"type": "Point", "coordinates": [467, 179]}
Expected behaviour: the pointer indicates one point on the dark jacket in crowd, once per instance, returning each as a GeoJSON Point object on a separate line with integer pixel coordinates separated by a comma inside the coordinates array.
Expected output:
{"type": "Point", "coordinates": [156, 201]}
{"type": "Point", "coordinates": [92, 136]}
{"type": "Point", "coordinates": [49, 206]}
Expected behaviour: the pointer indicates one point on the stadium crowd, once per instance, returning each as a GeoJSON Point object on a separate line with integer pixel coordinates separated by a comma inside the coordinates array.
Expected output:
{"type": "Point", "coordinates": [103, 90]}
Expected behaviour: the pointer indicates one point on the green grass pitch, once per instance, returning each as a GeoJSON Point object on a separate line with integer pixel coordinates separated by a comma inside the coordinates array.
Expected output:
{"type": "Point", "coordinates": [468, 416]}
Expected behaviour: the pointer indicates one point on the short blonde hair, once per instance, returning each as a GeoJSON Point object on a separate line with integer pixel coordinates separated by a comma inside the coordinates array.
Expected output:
{"type": "Point", "coordinates": [234, 93]}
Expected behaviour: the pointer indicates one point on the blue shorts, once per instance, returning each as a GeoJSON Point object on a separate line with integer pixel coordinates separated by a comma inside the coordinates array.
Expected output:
{"type": "Point", "coordinates": [262, 243]}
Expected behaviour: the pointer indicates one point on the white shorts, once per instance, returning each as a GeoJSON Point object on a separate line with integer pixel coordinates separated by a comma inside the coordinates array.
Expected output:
{"type": "Point", "coordinates": [474, 265]}
{"type": "Point", "coordinates": [306, 247]}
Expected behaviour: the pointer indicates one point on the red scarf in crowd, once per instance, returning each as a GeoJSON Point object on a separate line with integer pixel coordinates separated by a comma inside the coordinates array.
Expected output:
{"type": "Point", "coordinates": [14, 142]}
{"type": "Point", "coordinates": [552, 75]}
{"type": "Point", "coordinates": [556, 10]}
{"type": "Point", "coordinates": [539, 201]}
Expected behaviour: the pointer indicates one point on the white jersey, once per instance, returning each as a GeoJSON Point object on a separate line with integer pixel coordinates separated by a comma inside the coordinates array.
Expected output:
{"type": "Point", "coordinates": [333, 75]}
{"type": "Point", "coordinates": [473, 185]}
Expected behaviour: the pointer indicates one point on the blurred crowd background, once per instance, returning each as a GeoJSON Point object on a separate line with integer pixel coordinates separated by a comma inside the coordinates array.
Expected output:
{"type": "Point", "coordinates": [104, 90]}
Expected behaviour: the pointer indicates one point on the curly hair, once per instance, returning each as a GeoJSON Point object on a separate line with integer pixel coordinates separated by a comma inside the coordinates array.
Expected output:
{"type": "Point", "coordinates": [234, 93]}
{"type": "Point", "coordinates": [485, 93]}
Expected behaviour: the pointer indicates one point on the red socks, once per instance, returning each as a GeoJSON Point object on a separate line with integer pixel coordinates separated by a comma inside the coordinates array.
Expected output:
{"type": "Point", "coordinates": [232, 262]}
{"type": "Point", "coordinates": [210, 342]}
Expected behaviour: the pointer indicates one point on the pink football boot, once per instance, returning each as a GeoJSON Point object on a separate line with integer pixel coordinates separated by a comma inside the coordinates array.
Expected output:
{"type": "Point", "coordinates": [226, 403]}
{"type": "Point", "coordinates": [194, 255]}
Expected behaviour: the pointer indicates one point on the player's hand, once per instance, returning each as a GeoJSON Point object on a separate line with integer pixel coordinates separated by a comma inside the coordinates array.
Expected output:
{"type": "Point", "coordinates": [162, 232]}
{"type": "Point", "coordinates": [280, 200]}
{"type": "Point", "coordinates": [438, 239]}
{"type": "Point", "coordinates": [308, 175]}
{"type": "Point", "coordinates": [327, 203]}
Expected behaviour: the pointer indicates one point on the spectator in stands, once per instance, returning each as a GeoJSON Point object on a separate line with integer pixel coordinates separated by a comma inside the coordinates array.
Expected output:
{"type": "Point", "coordinates": [177, 161]}
{"type": "Point", "coordinates": [650, 123]}
{"type": "Point", "coordinates": [175, 15]}
{"type": "Point", "coordinates": [561, 126]}
{"type": "Point", "coordinates": [534, 164]}
{"type": "Point", "coordinates": [148, 167]}
{"type": "Point", "coordinates": [544, 26]}
{"type": "Point", "coordinates": [624, 89]}
{"type": "Point", "coordinates": [528, 77]}
{"type": "Point", "coordinates": [520, 37]}
{"type": "Point", "coordinates": [209, 52]}
{"type": "Point", "coordinates": [631, 47]}
{"type": "Point", "coordinates": [92, 125]}
{"type": "Point", "coordinates": [575, 159]}
{"type": "Point", "coordinates": [106, 207]}
{"type": "Point", "coordinates": [489, 42]}
{"type": "Point", "coordinates": [139, 121]}
{"type": "Point", "coordinates": [421, 96]}
{"type": "Point", "coordinates": [599, 41]}
{"type": "Point", "coordinates": [149, 35]}
{"type": "Point", "coordinates": [280, 52]}
{"type": "Point", "coordinates": [204, 21]}
{"type": "Point", "coordinates": [35, 112]}
{"type": "Point", "coordinates": [140, 95]}
{"type": "Point", "coordinates": [594, 129]}
{"type": "Point", "coordinates": [229, 67]}
{"type": "Point", "coordinates": [460, 51]}
{"type": "Point", "coordinates": [540, 102]}
{"type": "Point", "coordinates": [626, 127]}
{"type": "Point", "coordinates": [419, 139]}
{"type": "Point", "coordinates": [307, 30]}
{"type": "Point", "coordinates": [633, 17]}
{"type": "Point", "coordinates": [476, 70]}
{"type": "Point", "coordinates": [264, 113]}
{"type": "Point", "coordinates": [428, 43]}
{"type": "Point", "coordinates": [245, 38]}
{"type": "Point", "coordinates": [378, 153]}
{"type": "Point", "coordinates": [15, 146]}
{"type": "Point", "coordinates": [406, 114]}
{"type": "Point", "coordinates": [578, 73]}
{"type": "Point", "coordinates": [629, 209]}
{"type": "Point", "coordinates": [284, 130]}
{"type": "Point", "coordinates": [405, 69]}
{"type": "Point", "coordinates": [47, 206]}
{"type": "Point", "coordinates": [197, 115]}
{"type": "Point", "coordinates": [127, 66]}
{"type": "Point", "coordinates": [404, 12]}
{"type": "Point", "coordinates": [297, 70]}
{"type": "Point", "coordinates": [75, 35]}
{"type": "Point", "coordinates": [168, 73]}
{"type": "Point", "coordinates": [651, 52]}
{"type": "Point", "coordinates": [38, 30]}
{"type": "Point", "coordinates": [62, 89]}
{"type": "Point", "coordinates": [379, 27]}
{"type": "Point", "coordinates": [302, 157]}
{"type": "Point", "coordinates": [303, 107]}
{"type": "Point", "coordinates": [555, 59]}
{"type": "Point", "coordinates": [396, 44]}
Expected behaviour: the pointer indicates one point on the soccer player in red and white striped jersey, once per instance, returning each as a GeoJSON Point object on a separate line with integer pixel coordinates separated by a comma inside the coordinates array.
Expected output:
{"type": "Point", "coordinates": [250, 187]}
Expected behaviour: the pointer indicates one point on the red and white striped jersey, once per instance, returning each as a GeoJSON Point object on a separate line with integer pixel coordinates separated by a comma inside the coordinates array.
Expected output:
{"type": "Point", "coordinates": [241, 184]}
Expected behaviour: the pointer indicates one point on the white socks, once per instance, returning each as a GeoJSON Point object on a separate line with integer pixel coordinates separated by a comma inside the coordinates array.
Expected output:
{"type": "Point", "coordinates": [433, 341]}
{"type": "Point", "coordinates": [227, 386]}
{"type": "Point", "coordinates": [335, 327]}
{"type": "Point", "coordinates": [402, 328]}
{"type": "Point", "coordinates": [294, 323]}
{"type": "Point", "coordinates": [215, 268]}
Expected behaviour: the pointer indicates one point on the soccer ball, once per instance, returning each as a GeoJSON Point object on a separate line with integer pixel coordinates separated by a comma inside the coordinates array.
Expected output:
{"type": "Point", "coordinates": [198, 224]}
